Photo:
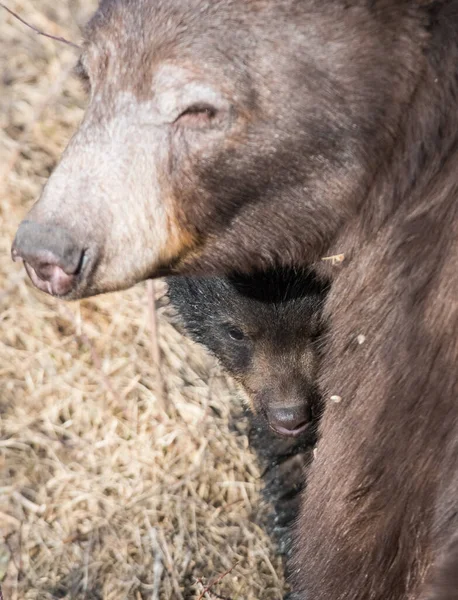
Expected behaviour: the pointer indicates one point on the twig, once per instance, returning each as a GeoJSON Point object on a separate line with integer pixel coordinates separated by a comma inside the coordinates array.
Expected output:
{"type": "Point", "coordinates": [1, 595]}
{"type": "Point", "coordinates": [87, 556]}
{"type": "Point", "coordinates": [39, 32]}
{"type": "Point", "coordinates": [154, 338]}
{"type": "Point", "coordinates": [217, 596]}
{"type": "Point", "coordinates": [155, 354]}
{"type": "Point", "coordinates": [336, 259]}
{"type": "Point", "coordinates": [210, 593]}
{"type": "Point", "coordinates": [97, 361]}
{"type": "Point", "coordinates": [158, 567]}
{"type": "Point", "coordinates": [170, 565]}
{"type": "Point", "coordinates": [215, 581]}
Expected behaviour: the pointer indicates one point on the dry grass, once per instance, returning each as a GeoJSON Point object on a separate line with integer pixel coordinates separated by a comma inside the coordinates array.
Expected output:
{"type": "Point", "coordinates": [110, 486]}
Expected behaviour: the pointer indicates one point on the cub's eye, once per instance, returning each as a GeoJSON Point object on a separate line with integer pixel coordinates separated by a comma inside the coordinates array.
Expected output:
{"type": "Point", "coordinates": [235, 333]}
{"type": "Point", "coordinates": [197, 115]}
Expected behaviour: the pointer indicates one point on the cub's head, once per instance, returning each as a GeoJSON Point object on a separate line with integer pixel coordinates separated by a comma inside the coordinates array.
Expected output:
{"type": "Point", "coordinates": [265, 330]}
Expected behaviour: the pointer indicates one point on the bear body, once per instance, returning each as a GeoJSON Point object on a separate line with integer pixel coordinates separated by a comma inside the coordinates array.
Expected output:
{"type": "Point", "coordinates": [234, 136]}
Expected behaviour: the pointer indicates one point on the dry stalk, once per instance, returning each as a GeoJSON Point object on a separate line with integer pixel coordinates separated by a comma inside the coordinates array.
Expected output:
{"type": "Point", "coordinates": [155, 353]}
{"type": "Point", "coordinates": [154, 338]}
{"type": "Point", "coordinates": [170, 565]}
{"type": "Point", "coordinates": [158, 567]}
{"type": "Point", "coordinates": [335, 259]}
{"type": "Point", "coordinates": [207, 589]}
{"type": "Point", "coordinates": [96, 360]}
{"type": "Point", "coordinates": [57, 38]}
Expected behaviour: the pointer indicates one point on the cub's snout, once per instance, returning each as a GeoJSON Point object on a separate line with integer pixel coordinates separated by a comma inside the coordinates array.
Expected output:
{"type": "Point", "coordinates": [289, 419]}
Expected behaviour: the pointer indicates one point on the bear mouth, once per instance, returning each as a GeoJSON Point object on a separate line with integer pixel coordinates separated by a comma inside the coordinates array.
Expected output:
{"type": "Point", "coordinates": [54, 280]}
{"type": "Point", "coordinates": [57, 284]}
{"type": "Point", "coordinates": [285, 432]}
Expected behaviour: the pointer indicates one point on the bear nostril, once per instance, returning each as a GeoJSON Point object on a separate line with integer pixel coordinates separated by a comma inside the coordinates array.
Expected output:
{"type": "Point", "coordinates": [51, 257]}
{"type": "Point", "coordinates": [51, 279]}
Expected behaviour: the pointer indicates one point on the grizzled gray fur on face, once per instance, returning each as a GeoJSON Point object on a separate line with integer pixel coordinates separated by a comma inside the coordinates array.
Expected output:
{"type": "Point", "coordinates": [240, 135]}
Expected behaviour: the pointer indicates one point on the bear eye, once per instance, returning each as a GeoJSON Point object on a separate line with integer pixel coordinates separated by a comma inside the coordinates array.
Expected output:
{"type": "Point", "coordinates": [235, 333]}
{"type": "Point", "coordinates": [197, 115]}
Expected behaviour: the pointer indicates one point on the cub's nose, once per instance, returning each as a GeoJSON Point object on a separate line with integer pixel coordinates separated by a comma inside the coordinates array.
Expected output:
{"type": "Point", "coordinates": [51, 256]}
{"type": "Point", "coordinates": [289, 421]}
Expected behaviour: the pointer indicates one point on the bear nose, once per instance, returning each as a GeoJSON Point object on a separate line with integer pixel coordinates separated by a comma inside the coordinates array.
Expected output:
{"type": "Point", "coordinates": [51, 256]}
{"type": "Point", "coordinates": [290, 420]}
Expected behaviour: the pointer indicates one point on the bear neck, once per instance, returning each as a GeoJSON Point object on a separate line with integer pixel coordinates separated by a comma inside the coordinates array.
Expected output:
{"type": "Point", "coordinates": [424, 159]}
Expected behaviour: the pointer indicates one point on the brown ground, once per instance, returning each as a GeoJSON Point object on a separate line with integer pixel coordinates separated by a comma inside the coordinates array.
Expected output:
{"type": "Point", "coordinates": [109, 489]}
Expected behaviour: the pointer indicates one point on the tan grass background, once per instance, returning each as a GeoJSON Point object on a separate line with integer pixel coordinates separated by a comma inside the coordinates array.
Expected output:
{"type": "Point", "coordinates": [111, 487]}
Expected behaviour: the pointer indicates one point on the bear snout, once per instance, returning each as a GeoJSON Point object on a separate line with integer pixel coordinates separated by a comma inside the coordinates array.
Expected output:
{"type": "Point", "coordinates": [289, 421]}
{"type": "Point", "coordinates": [287, 416]}
{"type": "Point", "coordinates": [53, 260]}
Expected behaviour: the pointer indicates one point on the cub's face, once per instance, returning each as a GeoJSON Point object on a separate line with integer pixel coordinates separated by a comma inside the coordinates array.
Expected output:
{"type": "Point", "coordinates": [265, 330]}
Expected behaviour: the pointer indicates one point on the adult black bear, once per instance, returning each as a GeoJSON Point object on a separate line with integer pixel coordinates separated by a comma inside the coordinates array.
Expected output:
{"type": "Point", "coordinates": [241, 134]}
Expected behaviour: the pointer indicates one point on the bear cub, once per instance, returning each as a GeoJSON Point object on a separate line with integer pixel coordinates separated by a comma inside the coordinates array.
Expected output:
{"type": "Point", "coordinates": [265, 330]}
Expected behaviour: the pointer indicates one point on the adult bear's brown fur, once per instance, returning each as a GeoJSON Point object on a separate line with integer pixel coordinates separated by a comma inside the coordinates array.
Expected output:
{"type": "Point", "coordinates": [395, 444]}
{"type": "Point", "coordinates": [331, 128]}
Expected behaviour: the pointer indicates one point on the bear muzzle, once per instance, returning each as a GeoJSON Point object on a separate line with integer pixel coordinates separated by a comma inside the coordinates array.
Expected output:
{"type": "Point", "coordinates": [52, 258]}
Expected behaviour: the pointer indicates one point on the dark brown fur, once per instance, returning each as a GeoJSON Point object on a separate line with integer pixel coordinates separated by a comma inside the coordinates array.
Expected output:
{"type": "Point", "coordinates": [340, 137]}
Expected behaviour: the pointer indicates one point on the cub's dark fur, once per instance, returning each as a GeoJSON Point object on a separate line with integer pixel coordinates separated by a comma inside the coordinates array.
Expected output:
{"type": "Point", "coordinates": [266, 330]}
